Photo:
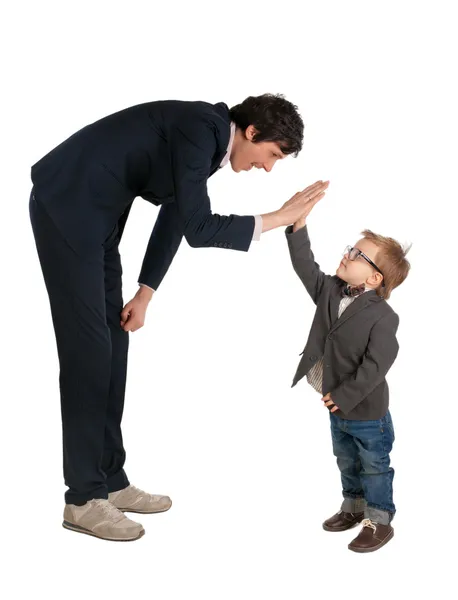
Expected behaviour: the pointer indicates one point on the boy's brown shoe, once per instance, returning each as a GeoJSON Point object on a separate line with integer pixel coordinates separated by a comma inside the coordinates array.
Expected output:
{"type": "Point", "coordinates": [372, 537]}
{"type": "Point", "coordinates": [343, 521]}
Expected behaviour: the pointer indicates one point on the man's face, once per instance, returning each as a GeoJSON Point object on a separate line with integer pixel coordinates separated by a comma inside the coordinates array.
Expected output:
{"type": "Point", "coordinates": [358, 271]}
{"type": "Point", "coordinates": [247, 154]}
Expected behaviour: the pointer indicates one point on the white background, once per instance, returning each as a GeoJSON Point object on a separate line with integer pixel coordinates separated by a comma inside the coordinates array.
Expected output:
{"type": "Point", "coordinates": [210, 417]}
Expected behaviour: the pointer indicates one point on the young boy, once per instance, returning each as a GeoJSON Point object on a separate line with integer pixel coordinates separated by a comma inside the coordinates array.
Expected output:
{"type": "Point", "coordinates": [351, 346]}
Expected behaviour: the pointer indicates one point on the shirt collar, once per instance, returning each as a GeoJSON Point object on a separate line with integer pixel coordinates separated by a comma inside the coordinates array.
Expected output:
{"type": "Point", "coordinates": [352, 297]}
{"type": "Point", "coordinates": [227, 157]}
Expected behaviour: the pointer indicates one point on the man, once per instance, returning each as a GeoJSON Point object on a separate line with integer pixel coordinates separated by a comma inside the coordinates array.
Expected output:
{"type": "Point", "coordinates": [82, 194]}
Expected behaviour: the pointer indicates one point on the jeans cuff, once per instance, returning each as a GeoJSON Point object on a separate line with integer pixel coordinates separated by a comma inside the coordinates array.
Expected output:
{"type": "Point", "coordinates": [353, 505]}
{"type": "Point", "coordinates": [382, 517]}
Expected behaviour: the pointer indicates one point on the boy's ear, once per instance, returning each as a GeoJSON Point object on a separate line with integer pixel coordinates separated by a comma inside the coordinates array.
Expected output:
{"type": "Point", "coordinates": [379, 279]}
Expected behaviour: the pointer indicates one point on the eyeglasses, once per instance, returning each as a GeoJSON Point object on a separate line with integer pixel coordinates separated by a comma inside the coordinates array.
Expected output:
{"type": "Point", "coordinates": [354, 253]}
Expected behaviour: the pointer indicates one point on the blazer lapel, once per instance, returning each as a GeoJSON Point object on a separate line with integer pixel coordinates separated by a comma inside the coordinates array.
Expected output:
{"type": "Point", "coordinates": [216, 162]}
{"type": "Point", "coordinates": [334, 301]}
{"type": "Point", "coordinates": [355, 307]}
{"type": "Point", "coordinates": [223, 131]}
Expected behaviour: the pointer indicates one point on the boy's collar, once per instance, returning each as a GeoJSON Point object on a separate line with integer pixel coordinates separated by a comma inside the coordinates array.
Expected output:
{"type": "Point", "coordinates": [353, 291]}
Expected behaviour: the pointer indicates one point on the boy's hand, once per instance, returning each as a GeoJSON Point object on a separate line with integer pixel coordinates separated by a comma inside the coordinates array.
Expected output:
{"type": "Point", "coordinates": [300, 223]}
{"type": "Point", "coordinates": [328, 402]}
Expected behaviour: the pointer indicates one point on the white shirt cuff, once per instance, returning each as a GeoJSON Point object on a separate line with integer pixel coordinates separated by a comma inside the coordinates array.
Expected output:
{"type": "Point", "coordinates": [144, 285]}
{"type": "Point", "coordinates": [257, 228]}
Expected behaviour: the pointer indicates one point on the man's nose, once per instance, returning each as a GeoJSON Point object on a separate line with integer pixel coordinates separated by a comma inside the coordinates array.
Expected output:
{"type": "Point", "coordinates": [268, 166]}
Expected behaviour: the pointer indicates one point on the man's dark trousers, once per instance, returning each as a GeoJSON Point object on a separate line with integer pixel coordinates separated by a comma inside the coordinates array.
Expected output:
{"type": "Point", "coordinates": [85, 294]}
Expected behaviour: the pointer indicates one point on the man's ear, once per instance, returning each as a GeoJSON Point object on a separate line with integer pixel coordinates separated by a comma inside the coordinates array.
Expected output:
{"type": "Point", "coordinates": [250, 133]}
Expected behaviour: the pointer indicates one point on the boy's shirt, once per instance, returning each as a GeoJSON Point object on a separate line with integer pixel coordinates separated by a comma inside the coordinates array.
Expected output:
{"type": "Point", "coordinates": [352, 343]}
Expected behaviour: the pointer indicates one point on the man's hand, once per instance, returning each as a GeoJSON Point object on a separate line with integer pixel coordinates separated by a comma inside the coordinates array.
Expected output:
{"type": "Point", "coordinates": [328, 402]}
{"type": "Point", "coordinates": [301, 204]}
{"type": "Point", "coordinates": [134, 312]}
{"type": "Point", "coordinates": [297, 207]}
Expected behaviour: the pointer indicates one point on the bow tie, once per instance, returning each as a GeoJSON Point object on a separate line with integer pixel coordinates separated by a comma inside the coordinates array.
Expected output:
{"type": "Point", "coordinates": [353, 291]}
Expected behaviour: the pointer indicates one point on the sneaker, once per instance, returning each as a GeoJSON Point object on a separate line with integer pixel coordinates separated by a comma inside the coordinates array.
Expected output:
{"type": "Point", "coordinates": [131, 499]}
{"type": "Point", "coordinates": [103, 520]}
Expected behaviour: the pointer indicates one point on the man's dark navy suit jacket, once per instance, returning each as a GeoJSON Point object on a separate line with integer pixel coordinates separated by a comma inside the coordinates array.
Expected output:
{"type": "Point", "coordinates": [162, 151]}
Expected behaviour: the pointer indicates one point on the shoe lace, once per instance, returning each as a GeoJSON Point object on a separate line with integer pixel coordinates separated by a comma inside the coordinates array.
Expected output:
{"type": "Point", "coordinates": [107, 508]}
{"type": "Point", "coordinates": [369, 523]}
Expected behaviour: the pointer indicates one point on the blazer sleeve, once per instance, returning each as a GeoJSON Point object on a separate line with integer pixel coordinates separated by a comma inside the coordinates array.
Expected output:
{"type": "Point", "coordinates": [163, 245]}
{"type": "Point", "coordinates": [380, 354]}
{"type": "Point", "coordinates": [192, 146]}
{"type": "Point", "coordinates": [304, 264]}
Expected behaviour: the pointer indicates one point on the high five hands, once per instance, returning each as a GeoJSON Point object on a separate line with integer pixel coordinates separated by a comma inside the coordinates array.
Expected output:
{"type": "Point", "coordinates": [300, 205]}
{"type": "Point", "coordinates": [296, 209]}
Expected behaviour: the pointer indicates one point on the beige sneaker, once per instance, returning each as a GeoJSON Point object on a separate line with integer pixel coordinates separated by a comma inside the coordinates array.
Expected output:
{"type": "Point", "coordinates": [103, 520]}
{"type": "Point", "coordinates": [131, 499]}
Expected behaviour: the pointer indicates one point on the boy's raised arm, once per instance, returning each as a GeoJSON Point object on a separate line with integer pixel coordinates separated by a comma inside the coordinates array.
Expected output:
{"type": "Point", "coordinates": [303, 260]}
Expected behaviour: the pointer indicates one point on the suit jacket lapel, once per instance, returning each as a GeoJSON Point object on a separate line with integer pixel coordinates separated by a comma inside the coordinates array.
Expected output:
{"type": "Point", "coordinates": [223, 123]}
{"type": "Point", "coordinates": [217, 161]}
{"type": "Point", "coordinates": [334, 301]}
{"type": "Point", "coordinates": [355, 307]}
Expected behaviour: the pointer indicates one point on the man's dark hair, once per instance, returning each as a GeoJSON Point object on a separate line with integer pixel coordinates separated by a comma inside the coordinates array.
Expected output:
{"type": "Point", "coordinates": [275, 120]}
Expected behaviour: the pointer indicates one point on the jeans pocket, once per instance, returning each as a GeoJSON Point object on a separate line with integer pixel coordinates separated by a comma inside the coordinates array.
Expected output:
{"type": "Point", "coordinates": [391, 428]}
{"type": "Point", "coordinates": [386, 424]}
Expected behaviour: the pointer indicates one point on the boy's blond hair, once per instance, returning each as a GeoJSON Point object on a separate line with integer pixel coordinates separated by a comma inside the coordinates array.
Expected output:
{"type": "Point", "coordinates": [391, 258]}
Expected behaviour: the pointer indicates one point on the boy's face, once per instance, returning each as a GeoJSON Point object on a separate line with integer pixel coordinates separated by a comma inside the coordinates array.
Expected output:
{"type": "Point", "coordinates": [359, 271]}
{"type": "Point", "coordinates": [247, 154]}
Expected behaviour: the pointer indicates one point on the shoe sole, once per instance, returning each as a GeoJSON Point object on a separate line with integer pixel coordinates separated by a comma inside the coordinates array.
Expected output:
{"type": "Point", "coordinates": [79, 529]}
{"type": "Point", "coordinates": [365, 550]}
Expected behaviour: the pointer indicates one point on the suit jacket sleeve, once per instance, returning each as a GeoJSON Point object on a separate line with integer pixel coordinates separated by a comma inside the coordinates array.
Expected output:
{"type": "Point", "coordinates": [380, 354]}
{"type": "Point", "coordinates": [192, 146]}
{"type": "Point", "coordinates": [163, 244]}
{"type": "Point", "coordinates": [304, 264]}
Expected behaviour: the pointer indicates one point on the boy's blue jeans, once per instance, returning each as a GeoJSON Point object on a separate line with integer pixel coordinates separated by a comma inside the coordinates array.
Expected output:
{"type": "Point", "coordinates": [362, 449]}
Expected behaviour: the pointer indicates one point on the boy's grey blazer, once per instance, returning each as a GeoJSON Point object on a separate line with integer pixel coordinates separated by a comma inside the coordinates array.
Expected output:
{"type": "Point", "coordinates": [358, 349]}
